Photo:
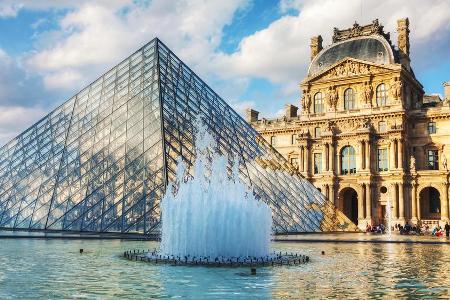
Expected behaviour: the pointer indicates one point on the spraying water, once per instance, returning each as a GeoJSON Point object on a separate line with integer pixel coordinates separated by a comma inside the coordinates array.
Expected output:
{"type": "Point", "coordinates": [211, 213]}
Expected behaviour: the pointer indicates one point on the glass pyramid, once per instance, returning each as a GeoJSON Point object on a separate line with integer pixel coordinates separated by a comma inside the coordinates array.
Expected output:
{"type": "Point", "coordinates": [100, 162]}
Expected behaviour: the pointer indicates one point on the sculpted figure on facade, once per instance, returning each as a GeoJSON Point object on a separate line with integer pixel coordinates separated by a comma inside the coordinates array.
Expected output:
{"type": "Point", "coordinates": [332, 97]}
{"type": "Point", "coordinates": [368, 93]}
{"type": "Point", "coordinates": [396, 89]}
{"type": "Point", "coordinates": [303, 101]}
{"type": "Point", "coordinates": [412, 164]}
{"type": "Point", "coordinates": [307, 101]}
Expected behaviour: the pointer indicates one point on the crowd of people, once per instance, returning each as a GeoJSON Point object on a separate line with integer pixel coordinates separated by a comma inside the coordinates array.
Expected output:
{"type": "Point", "coordinates": [419, 229]}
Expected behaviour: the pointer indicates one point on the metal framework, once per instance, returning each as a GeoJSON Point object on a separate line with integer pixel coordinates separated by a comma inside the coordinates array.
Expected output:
{"type": "Point", "coordinates": [101, 161]}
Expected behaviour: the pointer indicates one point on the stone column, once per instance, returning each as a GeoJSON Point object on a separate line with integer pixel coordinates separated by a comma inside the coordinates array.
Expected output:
{"type": "Point", "coordinates": [324, 158]}
{"type": "Point", "coordinates": [414, 203]}
{"type": "Point", "coordinates": [331, 197]}
{"type": "Point", "coordinates": [302, 158]}
{"type": "Point", "coordinates": [339, 161]}
{"type": "Point", "coordinates": [401, 203]}
{"type": "Point", "coordinates": [368, 155]}
{"type": "Point", "coordinates": [360, 165]}
{"type": "Point", "coordinates": [331, 154]}
{"type": "Point", "coordinates": [327, 191]}
{"type": "Point", "coordinates": [394, 200]}
{"type": "Point", "coordinates": [392, 155]}
{"type": "Point", "coordinates": [307, 164]}
{"type": "Point", "coordinates": [400, 154]}
{"type": "Point", "coordinates": [368, 204]}
{"type": "Point", "coordinates": [444, 202]}
{"type": "Point", "coordinates": [361, 204]}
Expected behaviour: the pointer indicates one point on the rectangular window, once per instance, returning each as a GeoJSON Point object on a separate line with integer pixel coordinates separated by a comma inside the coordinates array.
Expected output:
{"type": "Point", "coordinates": [317, 132]}
{"type": "Point", "coordinates": [273, 141]}
{"type": "Point", "coordinates": [382, 126]}
{"type": "Point", "coordinates": [382, 160]}
{"type": "Point", "coordinates": [294, 162]}
{"type": "Point", "coordinates": [433, 160]}
{"type": "Point", "coordinates": [294, 139]}
{"type": "Point", "coordinates": [431, 127]}
{"type": "Point", "coordinates": [317, 163]}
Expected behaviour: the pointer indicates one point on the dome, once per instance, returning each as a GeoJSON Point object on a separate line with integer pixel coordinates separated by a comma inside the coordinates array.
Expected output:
{"type": "Point", "coordinates": [369, 48]}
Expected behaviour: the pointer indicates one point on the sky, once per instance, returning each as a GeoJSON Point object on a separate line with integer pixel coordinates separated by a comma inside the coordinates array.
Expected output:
{"type": "Point", "coordinates": [253, 53]}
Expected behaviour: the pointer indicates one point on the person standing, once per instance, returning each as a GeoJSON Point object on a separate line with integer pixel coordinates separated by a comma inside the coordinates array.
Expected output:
{"type": "Point", "coordinates": [447, 229]}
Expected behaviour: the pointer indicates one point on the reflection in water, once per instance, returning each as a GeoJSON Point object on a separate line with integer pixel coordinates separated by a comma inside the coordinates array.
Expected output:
{"type": "Point", "coordinates": [55, 269]}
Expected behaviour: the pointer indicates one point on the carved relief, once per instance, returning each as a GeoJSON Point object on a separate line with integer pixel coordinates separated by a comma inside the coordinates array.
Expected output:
{"type": "Point", "coordinates": [365, 123]}
{"type": "Point", "coordinates": [358, 30]}
{"type": "Point", "coordinates": [396, 89]}
{"type": "Point", "coordinates": [351, 68]}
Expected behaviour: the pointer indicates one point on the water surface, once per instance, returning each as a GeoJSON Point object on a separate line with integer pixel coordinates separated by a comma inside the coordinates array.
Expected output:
{"type": "Point", "coordinates": [54, 269]}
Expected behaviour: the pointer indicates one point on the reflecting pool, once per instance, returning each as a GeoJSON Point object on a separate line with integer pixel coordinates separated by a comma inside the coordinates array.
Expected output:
{"type": "Point", "coordinates": [54, 269]}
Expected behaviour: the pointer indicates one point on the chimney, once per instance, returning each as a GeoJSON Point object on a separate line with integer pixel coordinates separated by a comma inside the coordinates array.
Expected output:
{"type": "Point", "coordinates": [316, 45]}
{"type": "Point", "coordinates": [290, 111]}
{"type": "Point", "coordinates": [403, 42]}
{"type": "Point", "coordinates": [446, 91]}
{"type": "Point", "coordinates": [251, 115]}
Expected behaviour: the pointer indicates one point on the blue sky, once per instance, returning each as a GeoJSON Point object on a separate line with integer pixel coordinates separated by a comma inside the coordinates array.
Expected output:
{"type": "Point", "coordinates": [252, 52]}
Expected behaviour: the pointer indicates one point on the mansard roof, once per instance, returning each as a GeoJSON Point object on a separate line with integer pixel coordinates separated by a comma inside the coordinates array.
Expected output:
{"type": "Point", "coordinates": [368, 43]}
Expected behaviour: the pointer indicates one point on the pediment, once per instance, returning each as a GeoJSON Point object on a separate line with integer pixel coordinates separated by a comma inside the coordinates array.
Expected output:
{"type": "Point", "coordinates": [349, 67]}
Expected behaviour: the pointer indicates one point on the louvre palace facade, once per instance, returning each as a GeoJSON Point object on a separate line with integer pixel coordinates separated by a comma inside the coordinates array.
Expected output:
{"type": "Point", "coordinates": [366, 135]}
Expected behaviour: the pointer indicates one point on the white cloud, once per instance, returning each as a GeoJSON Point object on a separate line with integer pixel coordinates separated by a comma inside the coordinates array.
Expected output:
{"type": "Point", "coordinates": [94, 35]}
{"type": "Point", "coordinates": [15, 119]}
{"type": "Point", "coordinates": [97, 36]}
{"type": "Point", "coordinates": [9, 10]}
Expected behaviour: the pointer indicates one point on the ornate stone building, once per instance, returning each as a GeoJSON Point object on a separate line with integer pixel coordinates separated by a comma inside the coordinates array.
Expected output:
{"type": "Point", "coordinates": [367, 136]}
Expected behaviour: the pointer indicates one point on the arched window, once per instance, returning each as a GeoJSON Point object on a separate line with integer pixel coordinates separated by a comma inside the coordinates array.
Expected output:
{"type": "Point", "coordinates": [349, 99]}
{"type": "Point", "coordinates": [348, 160]}
{"type": "Point", "coordinates": [381, 95]}
{"type": "Point", "coordinates": [318, 103]}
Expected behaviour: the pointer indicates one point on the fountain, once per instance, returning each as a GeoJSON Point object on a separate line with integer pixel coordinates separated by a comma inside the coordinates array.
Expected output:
{"type": "Point", "coordinates": [213, 214]}
{"type": "Point", "coordinates": [389, 218]}
{"type": "Point", "coordinates": [210, 217]}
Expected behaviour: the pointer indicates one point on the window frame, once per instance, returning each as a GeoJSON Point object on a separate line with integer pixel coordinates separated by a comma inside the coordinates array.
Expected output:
{"type": "Point", "coordinates": [317, 130]}
{"type": "Point", "coordinates": [294, 137]}
{"type": "Point", "coordinates": [317, 162]}
{"type": "Point", "coordinates": [318, 103]}
{"type": "Point", "coordinates": [380, 130]}
{"type": "Point", "coordinates": [273, 140]}
{"type": "Point", "coordinates": [381, 95]}
{"type": "Point", "coordinates": [432, 128]}
{"type": "Point", "coordinates": [382, 162]}
{"type": "Point", "coordinates": [349, 99]}
{"type": "Point", "coordinates": [348, 160]}
{"type": "Point", "coordinates": [432, 164]}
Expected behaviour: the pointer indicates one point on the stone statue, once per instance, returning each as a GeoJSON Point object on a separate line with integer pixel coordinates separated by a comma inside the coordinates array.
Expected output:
{"type": "Point", "coordinates": [368, 93]}
{"type": "Point", "coordinates": [334, 98]}
{"type": "Point", "coordinates": [307, 101]}
{"type": "Point", "coordinates": [303, 100]}
{"type": "Point", "coordinates": [444, 162]}
{"type": "Point", "coordinates": [328, 97]}
{"type": "Point", "coordinates": [412, 165]}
